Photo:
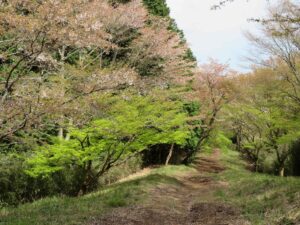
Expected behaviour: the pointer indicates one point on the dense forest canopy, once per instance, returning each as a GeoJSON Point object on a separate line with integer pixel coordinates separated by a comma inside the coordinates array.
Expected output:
{"type": "Point", "coordinates": [89, 86]}
{"type": "Point", "coordinates": [81, 86]}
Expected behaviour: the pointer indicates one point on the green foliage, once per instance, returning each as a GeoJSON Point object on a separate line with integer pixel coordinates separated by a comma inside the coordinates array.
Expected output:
{"type": "Point", "coordinates": [157, 7]}
{"type": "Point", "coordinates": [174, 27]}
{"type": "Point", "coordinates": [150, 66]}
{"type": "Point", "coordinates": [265, 121]}
{"type": "Point", "coordinates": [58, 71]}
{"type": "Point", "coordinates": [67, 211]}
{"type": "Point", "coordinates": [193, 141]}
{"type": "Point", "coordinates": [189, 56]}
{"type": "Point", "coordinates": [121, 171]}
{"type": "Point", "coordinates": [25, 141]}
{"type": "Point", "coordinates": [16, 186]}
{"type": "Point", "coordinates": [129, 126]}
{"type": "Point", "coordinates": [218, 140]}
{"type": "Point", "coordinates": [192, 108]}
{"type": "Point", "coordinates": [278, 132]}
{"type": "Point", "coordinates": [12, 181]}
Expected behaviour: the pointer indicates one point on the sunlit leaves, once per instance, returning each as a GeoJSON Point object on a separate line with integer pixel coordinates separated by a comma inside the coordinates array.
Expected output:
{"type": "Point", "coordinates": [129, 126]}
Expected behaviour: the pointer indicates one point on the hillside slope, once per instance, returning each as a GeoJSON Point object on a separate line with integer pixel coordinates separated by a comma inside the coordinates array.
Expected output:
{"type": "Point", "coordinates": [216, 190]}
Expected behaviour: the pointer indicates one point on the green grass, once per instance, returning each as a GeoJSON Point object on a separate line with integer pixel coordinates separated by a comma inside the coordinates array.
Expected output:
{"type": "Point", "coordinates": [263, 199]}
{"type": "Point", "coordinates": [173, 170]}
{"type": "Point", "coordinates": [71, 211]}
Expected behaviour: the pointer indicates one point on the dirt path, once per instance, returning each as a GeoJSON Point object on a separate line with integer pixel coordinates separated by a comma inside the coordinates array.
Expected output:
{"type": "Point", "coordinates": [190, 203]}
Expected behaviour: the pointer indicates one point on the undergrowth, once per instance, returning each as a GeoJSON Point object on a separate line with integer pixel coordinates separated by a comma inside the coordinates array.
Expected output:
{"type": "Point", "coordinates": [263, 199]}
{"type": "Point", "coordinates": [85, 209]}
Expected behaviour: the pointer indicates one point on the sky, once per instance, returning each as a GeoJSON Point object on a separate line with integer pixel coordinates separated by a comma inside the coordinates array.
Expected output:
{"type": "Point", "coordinates": [218, 34]}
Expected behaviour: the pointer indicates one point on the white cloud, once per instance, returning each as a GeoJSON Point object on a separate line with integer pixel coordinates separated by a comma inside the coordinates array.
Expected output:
{"type": "Point", "coordinates": [217, 33]}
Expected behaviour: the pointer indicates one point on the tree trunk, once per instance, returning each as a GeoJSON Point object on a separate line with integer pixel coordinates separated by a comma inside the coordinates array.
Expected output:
{"type": "Point", "coordinates": [256, 165]}
{"type": "Point", "coordinates": [191, 153]}
{"type": "Point", "coordinates": [101, 59]}
{"type": "Point", "coordinates": [238, 142]}
{"type": "Point", "coordinates": [60, 133]}
{"type": "Point", "coordinates": [159, 161]}
{"type": "Point", "coordinates": [62, 53]}
{"type": "Point", "coordinates": [257, 159]}
{"type": "Point", "coordinates": [86, 179]}
{"type": "Point", "coordinates": [281, 171]}
{"type": "Point", "coordinates": [83, 190]}
{"type": "Point", "coordinates": [170, 154]}
{"type": "Point", "coordinates": [115, 57]}
{"type": "Point", "coordinates": [68, 135]}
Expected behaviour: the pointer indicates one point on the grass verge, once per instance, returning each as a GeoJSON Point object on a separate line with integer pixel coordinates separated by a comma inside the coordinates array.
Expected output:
{"type": "Point", "coordinates": [263, 199]}
{"type": "Point", "coordinates": [81, 210]}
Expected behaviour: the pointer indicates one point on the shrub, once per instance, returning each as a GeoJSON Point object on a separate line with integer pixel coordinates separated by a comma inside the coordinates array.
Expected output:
{"type": "Point", "coordinates": [16, 186]}
{"type": "Point", "coordinates": [150, 66]}
{"type": "Point", "coordinates": [157, 7]}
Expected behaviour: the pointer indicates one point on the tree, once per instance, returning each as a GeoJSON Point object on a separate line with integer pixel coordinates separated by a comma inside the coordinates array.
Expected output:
{"type": "Point", "coordinates": [263, 118]}
{"type": "Point", "coordinates": [56, 56]}
{"type": "Point", "coordinates": [212, 91]}
{"type": "Point", "coordinates": [279, 46]}
{"type": "Point", "coordinates": [39, 41]}
{"type": "Point", "coordinates": [128, 127]}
